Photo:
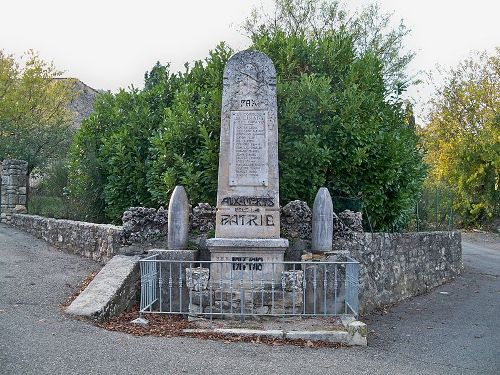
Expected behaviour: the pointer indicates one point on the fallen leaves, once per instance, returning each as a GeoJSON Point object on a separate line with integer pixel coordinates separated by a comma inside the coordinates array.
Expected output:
{"type": "Point", "coordinates": [167, 326]}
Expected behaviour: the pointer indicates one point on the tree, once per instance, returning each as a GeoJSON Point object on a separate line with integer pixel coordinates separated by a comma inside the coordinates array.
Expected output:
{"type": "Point", "coordinates": [34, 120]}
{"type": "Point", "coordinates": [339, 130]}
{"type": "Point", "coordinates": [342, 125]}
{"type": "Point", "coordinates": [462, 138]}
{"type": "Point", "coordinates": [370, 30]}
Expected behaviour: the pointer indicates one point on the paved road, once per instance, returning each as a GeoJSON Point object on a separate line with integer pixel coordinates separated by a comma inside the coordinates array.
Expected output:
{"type": "Point", "coordinates": [454, 333]}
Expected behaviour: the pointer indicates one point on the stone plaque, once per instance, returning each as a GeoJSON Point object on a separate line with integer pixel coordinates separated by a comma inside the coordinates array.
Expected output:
{"type": "Point", "coordinates": [248, 186]}
{"type": "Point", "coordinates": [252, 261]}
{"type": "Point", "coordinates": [249, 158]}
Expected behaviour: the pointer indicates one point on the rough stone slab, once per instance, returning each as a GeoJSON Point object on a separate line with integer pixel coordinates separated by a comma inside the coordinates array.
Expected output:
{"type": "Point", "coordinates": [274, 333]}
{"type": "Point", "coordinates": [341, 337]}
{"type": "Point", "coordinates": [111, 292]}
{"type": "Point", "coordinates": [325, 335]}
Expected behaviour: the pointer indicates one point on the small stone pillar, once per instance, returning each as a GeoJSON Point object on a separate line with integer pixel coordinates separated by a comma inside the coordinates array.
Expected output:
{"type": "Point", "coordinates": [178, 219]}
{"type": "Point", "coordinates": [13, 188]}
{"type": "Point", "coordinates": [322, 222]}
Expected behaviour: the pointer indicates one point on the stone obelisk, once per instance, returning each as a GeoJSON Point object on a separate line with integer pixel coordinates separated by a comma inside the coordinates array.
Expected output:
{"type": "Point", "coordinates": [248, 211]}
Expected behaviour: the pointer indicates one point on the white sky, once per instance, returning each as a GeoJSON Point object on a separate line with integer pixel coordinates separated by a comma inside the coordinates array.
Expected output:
{"type": "Point", "coordinates": [109, 44]}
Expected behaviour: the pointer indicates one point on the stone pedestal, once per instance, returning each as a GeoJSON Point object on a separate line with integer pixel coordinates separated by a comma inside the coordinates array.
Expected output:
{"type": "Point", "coordinates": [251, 261]}
{"type": "Point", "coordinates": [174, 291]}
{"type": "Point", "coordinates": [324, 287]}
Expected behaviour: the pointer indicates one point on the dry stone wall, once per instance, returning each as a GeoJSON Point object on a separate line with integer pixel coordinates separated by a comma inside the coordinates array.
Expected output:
{"type": "Point", "coordinates": [99, 242]}
{"type": "Point", "coordinates": [396, 266]}
{"type": "Point", "coordinates": [393, 266]}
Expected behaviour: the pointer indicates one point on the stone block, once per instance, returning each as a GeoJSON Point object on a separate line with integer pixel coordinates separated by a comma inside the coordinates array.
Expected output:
{"type": "Point", "coordinates": [271, 333]}
{"type": "Point", "coordinates": [279, 299]}
{"type": "Point", "coordinates": [357, 333]}
{"type": "Point", "coordinates": [202, 298]}
{"type": "Point", "coordinates": [318, 335]}
{"type": "Point", "coordinates": [197, 278]}
{"type": "Point", "coordinates": [292, 280]}
{"type": "Point", "coordinates": [195, 309]}
{"type": "Point", "coordinates": [174, 289]}
{"type": "Point", "coordinates": [324, 288]}
{"type": "Point", "coordinates": [250, 260]}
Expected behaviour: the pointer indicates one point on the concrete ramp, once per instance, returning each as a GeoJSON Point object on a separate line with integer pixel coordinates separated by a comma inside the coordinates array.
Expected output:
{"type": "Point", "coordinates": [112, 291]}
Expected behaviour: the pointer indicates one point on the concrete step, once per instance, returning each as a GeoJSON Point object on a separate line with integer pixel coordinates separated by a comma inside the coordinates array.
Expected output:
{"type": "Point", "coordinates": [112, 291]}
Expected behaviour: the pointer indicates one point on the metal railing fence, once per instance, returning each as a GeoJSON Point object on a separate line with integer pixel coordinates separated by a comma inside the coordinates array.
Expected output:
{"type": "Point", "coordinates": [247, 287]}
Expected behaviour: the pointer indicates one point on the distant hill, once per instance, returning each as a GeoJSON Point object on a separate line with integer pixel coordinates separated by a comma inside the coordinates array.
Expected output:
{"type": "Point", "coordinates": [83, 102]}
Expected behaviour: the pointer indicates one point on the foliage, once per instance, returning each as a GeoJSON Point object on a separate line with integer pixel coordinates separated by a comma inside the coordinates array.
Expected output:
{"type": "Point", "coordinates": [34, 120]}
{"type": "Point", "coordinates": [138, 145]}
{"type": "Point", "coordinates": [370, 30]}
{"type": "Point", "coordinates": [462, 139]}
{"type": "Point", "coordinates": [342, 125]}
{"type": "Point", "coordinates": [48, 206]}
{"type": "Point", "coordinates": [338, 130]}
{"type": "Point", "coordinates": [49, 197]}
{"type": "Point", "coordinates": [107, 153]}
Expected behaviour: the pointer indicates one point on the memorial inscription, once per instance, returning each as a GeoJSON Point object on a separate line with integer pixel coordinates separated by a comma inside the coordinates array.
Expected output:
{"type": "Point", "coordinates": [253, 263]}
{"type": "Point", "coordinates": [249, 159]}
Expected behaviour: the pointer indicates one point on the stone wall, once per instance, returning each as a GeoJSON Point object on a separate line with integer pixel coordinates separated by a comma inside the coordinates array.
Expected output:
{"type": "Point", "coordinates": [396, 266]}
{"type": "Point", "coordinates": [13, 188]}
{"type": "Point", "coordinates": [393, 266]}
{"type": "Point", "coordinates": [99, 242]}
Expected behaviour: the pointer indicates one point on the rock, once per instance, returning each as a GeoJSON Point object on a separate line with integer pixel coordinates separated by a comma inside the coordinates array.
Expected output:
{"type": "Point", "coordinates": [197, 278]}
{"type": "Point", "coordinates": [144, 225]}
{"type": "Point", "coordinates": [292, 280]}
{"type": "Point", "coordinates": [178, 219]}
{"type": "Point", "coordinates": [347, 224]}
{"type": "Point", "coordinates": [322, 222]}
{"type": "Point", "coordinates": [296, 220]}
{"type": "Point", "coordinates": [19, 209]}
{"type": "Point", "coordinates": [352, 220]}
{"type": "Point", "coordinates": [203, 218]}
{"type": "Point", "coordinates": [357, 333]}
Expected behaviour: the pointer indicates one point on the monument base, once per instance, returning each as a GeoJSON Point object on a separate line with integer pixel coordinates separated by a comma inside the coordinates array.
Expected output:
{"type": "Point", "coordinates": [246, 261]}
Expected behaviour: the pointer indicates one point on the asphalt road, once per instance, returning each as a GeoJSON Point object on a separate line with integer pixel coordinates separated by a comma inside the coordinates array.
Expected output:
{"type": "Point", "coordinates": [453, 333]}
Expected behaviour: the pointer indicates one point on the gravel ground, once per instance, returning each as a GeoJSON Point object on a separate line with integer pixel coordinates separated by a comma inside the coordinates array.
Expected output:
{"type": "Point", "coordinates": [37, 338]}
